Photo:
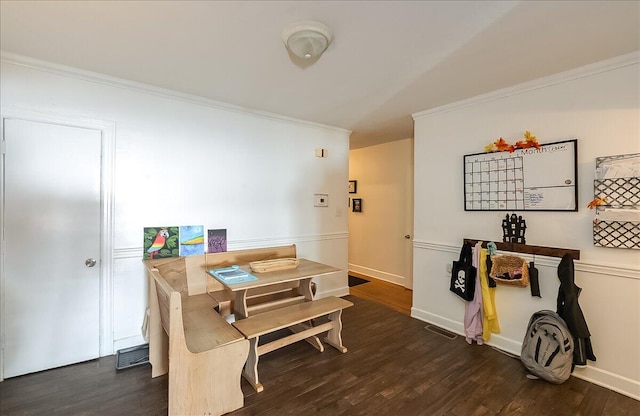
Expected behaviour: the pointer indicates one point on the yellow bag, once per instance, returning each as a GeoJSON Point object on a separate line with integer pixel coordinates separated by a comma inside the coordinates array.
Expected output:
{"type": "Point", "coordinates": [510, 270]}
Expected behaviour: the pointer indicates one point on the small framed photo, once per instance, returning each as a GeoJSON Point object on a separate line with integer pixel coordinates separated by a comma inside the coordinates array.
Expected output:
{"type": "Point", "coordinates": [356, 205]}
{"type": "Point", "coordinates": [353, 187]}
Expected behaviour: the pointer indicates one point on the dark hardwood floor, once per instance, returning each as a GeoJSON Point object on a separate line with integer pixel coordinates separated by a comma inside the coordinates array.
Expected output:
{"type": "Point", "coordinates": [393, 367]}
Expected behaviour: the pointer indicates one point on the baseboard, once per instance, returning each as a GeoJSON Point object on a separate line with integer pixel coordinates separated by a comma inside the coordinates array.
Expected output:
{"type": "Point", "coordinates": [339, 292]}
{"type": "Point", "coordinates": [609, 380]}
{"type": "Point", "coordinates": [378, 274]}
{"type": "Point", "coordinates": [437, 320]}
{"type": "Point", "coordinates": [606, 379]}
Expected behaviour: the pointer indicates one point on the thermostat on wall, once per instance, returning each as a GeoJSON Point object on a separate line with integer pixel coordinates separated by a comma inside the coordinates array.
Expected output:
{"type": "Point", "coordinates": [321, 200]}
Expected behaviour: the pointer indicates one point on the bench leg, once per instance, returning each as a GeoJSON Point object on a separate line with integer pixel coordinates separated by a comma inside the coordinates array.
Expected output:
{"type": "Point", "coordinates": [334, 336]}
{"type": "Point", "coordinates": [251, 367]}
{"type": "Point", "coordinates": [158, 338]}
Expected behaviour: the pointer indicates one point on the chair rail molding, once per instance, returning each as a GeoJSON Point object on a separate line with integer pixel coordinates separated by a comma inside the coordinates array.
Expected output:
{"type": "Point", "coordinates": [136, 252]}
{"type": "Point", "coordinates": [580, 265]}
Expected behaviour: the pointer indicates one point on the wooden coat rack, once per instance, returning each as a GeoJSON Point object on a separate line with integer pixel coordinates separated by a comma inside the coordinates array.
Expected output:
{"type": "Point", "coordinates": [529, 249]}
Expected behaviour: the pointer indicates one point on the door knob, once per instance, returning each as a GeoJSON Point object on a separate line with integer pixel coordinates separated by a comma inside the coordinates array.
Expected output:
{"type": "Point", "coordinates": [90, 262]}
{"type": "Point", "coordinates": [407, 236]}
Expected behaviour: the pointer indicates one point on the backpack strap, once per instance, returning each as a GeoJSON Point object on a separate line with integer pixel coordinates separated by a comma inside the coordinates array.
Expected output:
{"type": "Point", "coordinates": [564, 344]}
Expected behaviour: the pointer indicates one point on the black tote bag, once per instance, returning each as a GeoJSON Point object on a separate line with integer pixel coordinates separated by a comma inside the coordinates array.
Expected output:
{"type": "Point", "coordinates": [463, 275]}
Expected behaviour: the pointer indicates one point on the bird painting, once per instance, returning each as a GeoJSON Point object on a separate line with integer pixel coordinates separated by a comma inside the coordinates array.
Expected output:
{"type": "Point", "coordinates": [158, 242]}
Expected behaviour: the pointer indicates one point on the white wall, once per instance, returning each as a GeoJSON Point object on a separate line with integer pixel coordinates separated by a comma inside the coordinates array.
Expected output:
{"type": "Point", "coordinates": [600, 106]}
{"type": "Point", "coordinates": [377, 246]}
{"type": "Point", "coordinates": [182, 160]}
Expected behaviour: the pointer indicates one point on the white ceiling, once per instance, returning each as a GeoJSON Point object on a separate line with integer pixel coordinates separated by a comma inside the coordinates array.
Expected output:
{"type": "Point", "coordinates": [388, 59]}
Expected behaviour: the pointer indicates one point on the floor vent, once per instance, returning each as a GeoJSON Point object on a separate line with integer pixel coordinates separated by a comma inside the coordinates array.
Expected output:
{"type": "Point", "coordinates": [131, 357]}
{"type": "Point", "coordinates": [440, 331]}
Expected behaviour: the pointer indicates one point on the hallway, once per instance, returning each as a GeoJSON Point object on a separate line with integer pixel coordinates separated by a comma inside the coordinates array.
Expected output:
{"type": "Point", "coordinates": [390, 295]}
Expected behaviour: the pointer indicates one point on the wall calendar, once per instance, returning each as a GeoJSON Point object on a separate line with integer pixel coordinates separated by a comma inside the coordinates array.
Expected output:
{"type": "Point", "coordinates": [544, 179]}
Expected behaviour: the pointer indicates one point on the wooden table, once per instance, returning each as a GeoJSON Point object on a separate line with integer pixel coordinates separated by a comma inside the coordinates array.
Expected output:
{"type": "Point", "coordinates": [296, 280]}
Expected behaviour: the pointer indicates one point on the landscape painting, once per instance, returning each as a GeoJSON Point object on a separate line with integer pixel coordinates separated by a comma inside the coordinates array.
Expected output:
{"type": "Point", "coordinates": [191, 240]}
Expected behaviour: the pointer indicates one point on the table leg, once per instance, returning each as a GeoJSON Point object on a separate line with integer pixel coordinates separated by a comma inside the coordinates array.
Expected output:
{"type": "Point", "coordinates": [305, 288]}
{"type": "Point", "coordinates": [240, 305]}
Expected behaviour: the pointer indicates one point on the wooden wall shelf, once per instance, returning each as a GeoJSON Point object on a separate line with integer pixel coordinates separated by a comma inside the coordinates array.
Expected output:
{"type": "Point", "coordinates": [528, 249]}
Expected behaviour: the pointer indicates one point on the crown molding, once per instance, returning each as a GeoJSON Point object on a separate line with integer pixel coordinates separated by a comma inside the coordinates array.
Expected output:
{"type": "Point", "coordinates": [621, 61]}
{"type": "Point", "coordinates": [102, 79]}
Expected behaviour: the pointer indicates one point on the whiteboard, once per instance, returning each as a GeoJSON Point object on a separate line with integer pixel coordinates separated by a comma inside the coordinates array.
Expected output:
{"type": "Point", "coordinates": [544, 179]}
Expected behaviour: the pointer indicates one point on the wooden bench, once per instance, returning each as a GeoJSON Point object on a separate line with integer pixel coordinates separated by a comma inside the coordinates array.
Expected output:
{"type": "Point", "coordinates": [205, 353]}
{"type": "Point", "coordinates": [298, 318]}
{"type": "Point", "coordinates": [278, 306]}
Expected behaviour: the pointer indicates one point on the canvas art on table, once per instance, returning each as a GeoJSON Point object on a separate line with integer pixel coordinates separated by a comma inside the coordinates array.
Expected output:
{"type": "Point", "coordinates": [191, 240]}
{"type": "Point", "coordinates": [217, 241]}
{"type": "Point", "coordinates": [160, 242]}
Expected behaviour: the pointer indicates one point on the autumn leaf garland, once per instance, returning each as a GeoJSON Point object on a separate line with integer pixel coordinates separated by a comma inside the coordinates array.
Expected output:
{"type": "Point", "coordinates": [501, 145]}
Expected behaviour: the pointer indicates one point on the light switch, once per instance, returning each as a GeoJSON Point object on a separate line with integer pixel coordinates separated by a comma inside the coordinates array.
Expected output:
{"type": "Point", "coordinates": [321, 200]}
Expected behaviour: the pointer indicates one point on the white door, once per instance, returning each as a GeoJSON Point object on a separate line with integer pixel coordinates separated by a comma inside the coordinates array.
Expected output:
{"type": "Point", "coordinates": [408, 226]}
{"type": "Point", "coordinates": [51, 194]}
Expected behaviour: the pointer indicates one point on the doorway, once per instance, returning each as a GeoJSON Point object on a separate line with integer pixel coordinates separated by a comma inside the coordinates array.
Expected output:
{"type": "Point", "coordinates": [381, 231]}
{"type": "Point", "coordinates": [54, 241]}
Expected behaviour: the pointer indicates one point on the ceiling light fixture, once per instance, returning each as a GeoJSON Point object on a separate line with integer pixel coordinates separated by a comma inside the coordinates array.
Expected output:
{"type": "Point", "coordinates": [307, 40]}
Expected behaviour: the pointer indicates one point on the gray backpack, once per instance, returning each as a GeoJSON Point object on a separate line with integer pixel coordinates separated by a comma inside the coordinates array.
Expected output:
{"type": "Point", "coordinates": [547, 349]}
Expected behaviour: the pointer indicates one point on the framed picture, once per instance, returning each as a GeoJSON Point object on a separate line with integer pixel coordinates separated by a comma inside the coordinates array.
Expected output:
{"type": "Point", "coordinates": [357, 205]}
{"type": "Point", "coordinates": [353, 187]}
